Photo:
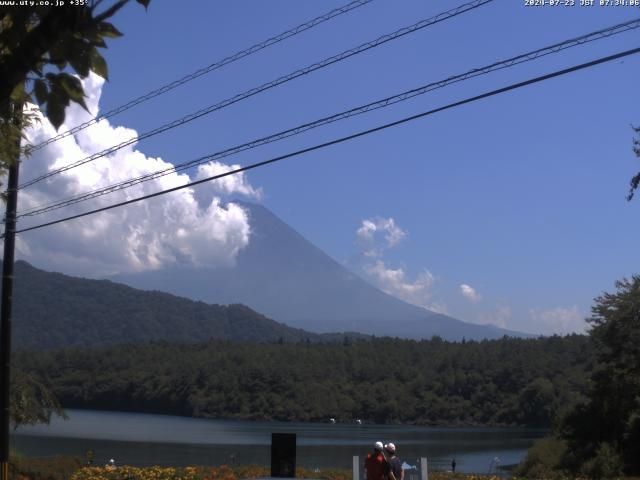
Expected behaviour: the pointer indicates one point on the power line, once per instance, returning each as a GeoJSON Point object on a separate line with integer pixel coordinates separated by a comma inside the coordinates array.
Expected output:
{"type": "Point", "coordinates": [210, 68]}
{"type": "Point", "coordinates": [522, 58]}
{"type": "Point", "coordinates": [362, 133]}
{"type": "Point", "coordinates": [266, 86]}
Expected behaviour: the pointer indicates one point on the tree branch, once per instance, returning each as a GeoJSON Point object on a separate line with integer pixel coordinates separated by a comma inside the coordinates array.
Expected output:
{"type": "Point", "coordinates": [110, 11]}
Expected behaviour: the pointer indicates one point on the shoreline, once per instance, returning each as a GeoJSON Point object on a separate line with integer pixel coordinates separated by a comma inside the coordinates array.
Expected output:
{"type": "Point", "coordinates": [447, 426]}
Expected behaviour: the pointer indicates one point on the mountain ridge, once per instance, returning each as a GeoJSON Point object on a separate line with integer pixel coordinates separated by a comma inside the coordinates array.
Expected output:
{"type": "Point", "coordinates": [286, 277]}
{"type": "Point", "coordinates": [52, 310]}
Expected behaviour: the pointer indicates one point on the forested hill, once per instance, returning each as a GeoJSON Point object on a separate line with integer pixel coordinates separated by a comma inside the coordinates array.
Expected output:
{"type": "Point", "coordinates": [52, 310]}
{"type": "Point", "coordinates": [497, 382]}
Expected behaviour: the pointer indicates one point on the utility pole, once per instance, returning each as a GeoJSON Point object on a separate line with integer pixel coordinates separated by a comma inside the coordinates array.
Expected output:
{"type": "Point", "coordinates": [7, 297]}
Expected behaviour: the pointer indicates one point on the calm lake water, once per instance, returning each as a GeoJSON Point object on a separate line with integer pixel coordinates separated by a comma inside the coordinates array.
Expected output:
{"type": "Point", "coordinates": [145, 439]}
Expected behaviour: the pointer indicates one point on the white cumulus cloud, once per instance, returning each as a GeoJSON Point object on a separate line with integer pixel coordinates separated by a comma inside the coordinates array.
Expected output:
{"type": "Point", "coordinates": [395, 281]}
{"type": "Point", "coordinates": [560, 320]}
{"type": "Point", "coordinates": [376, 235]}
{"type": "Point", "coordinates": [191, 226]}
{"type": "Point", "coordinates": [470, 293]}
{"type": "Point", "coordinates": [232, 184]}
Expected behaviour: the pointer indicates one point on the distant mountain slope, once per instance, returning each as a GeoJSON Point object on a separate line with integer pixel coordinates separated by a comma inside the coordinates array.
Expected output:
{"type": "Point", "coordinates": [53, 310]}
{"type": "Point", "coordinates": [286, 277]}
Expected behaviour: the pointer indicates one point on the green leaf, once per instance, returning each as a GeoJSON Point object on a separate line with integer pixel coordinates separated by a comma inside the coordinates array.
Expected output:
{"type": "Point", "coordinates": [80, 59]}
{"type": "Point", "coordinates": [106, 29]}
{"type": "Point", "coordinates": [58, 54]}
{"type": "Point", "coordinates": [98, 43]}
{"type": "Point", "coordinates": [90, 33]}
{"type": "Point", "coordinates": [73, 87]}
{"type": "Point", "coordinates": [99, 64]}
{"type": "Point", "coordinates": [41, 91]}
{"type": "Point", "coordinates": [57, 102]}
{"type": "Point", "coordinates": [18, 93]}
{"type": "Point", "coordinates": [55, 111]}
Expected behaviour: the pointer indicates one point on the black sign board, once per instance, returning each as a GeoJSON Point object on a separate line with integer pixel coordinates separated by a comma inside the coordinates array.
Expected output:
{"type": "Point", "coordinates": [283, 455]}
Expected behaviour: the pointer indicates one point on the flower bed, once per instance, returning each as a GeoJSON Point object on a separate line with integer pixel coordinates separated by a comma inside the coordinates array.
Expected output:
{"type": "Point", "coordinates": [223, 472]}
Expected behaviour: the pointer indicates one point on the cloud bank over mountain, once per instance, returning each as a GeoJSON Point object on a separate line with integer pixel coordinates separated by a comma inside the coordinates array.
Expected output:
{"type": "Point", "coordinates": [187, 227]}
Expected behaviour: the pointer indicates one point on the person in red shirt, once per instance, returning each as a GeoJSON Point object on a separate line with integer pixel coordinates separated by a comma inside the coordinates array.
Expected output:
{"type": "Point", "coordinates": [375, 465]}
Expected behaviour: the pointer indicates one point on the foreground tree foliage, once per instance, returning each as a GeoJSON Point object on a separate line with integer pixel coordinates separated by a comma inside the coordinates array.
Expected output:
{"type": "Point", "coordinates": [600, 436]}
{"type": "Point", "coordinates": [31, 401]}
{"type": "Point", "coordinates": [40, 46]}
{"type": "Point", "coordinates": [543, 460]}
{"type": "Point", "coordinates": [607, 424]}
{"type": "Point", "coordinates": [501, 382]}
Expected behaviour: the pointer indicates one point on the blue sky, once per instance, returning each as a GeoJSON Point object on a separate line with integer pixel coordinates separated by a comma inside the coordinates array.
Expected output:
{"type": "Point", "coordinates": [520, 197]}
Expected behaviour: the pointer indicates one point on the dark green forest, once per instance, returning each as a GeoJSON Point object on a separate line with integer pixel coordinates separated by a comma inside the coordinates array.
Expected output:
{"type": "Point", "coordinates": [499, 382]}
{"type": "Point", "coordinates": [69, 311]}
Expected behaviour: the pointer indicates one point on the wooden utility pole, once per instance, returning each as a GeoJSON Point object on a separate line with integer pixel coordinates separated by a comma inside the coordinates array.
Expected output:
{"type": "Point", "coordinates": [7, 297]}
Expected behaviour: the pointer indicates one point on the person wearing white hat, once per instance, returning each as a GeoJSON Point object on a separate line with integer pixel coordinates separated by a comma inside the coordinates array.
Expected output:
{"type": "Point", "coordinates": [395, 464]}
{"type": "Point", "coordinates": [375, 464]}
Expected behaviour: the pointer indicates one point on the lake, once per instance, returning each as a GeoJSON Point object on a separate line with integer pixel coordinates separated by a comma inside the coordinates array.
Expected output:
{"type": "Point", "coordinates": [145, 439]}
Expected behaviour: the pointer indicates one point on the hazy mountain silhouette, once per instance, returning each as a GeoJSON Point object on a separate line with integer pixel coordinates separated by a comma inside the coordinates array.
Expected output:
{"type": "Point", "coordinates": [285, 277]}
{"type": "Point", "coordinates": [53, 310]}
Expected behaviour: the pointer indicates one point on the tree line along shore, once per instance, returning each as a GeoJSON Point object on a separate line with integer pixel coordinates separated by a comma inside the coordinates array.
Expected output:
{"type": "Point", "coordinates": [507, 382]}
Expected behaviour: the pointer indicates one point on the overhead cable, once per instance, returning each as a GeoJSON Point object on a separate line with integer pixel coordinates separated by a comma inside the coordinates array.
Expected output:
{"type": "Point", "coordinates": [378, 104]}
{"type": "Point", "coordinates": [266, 86]}
{"type": "Point", "coordinates": [210, 68]}
{"type": "Point", "coordinates": [345, 138]}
